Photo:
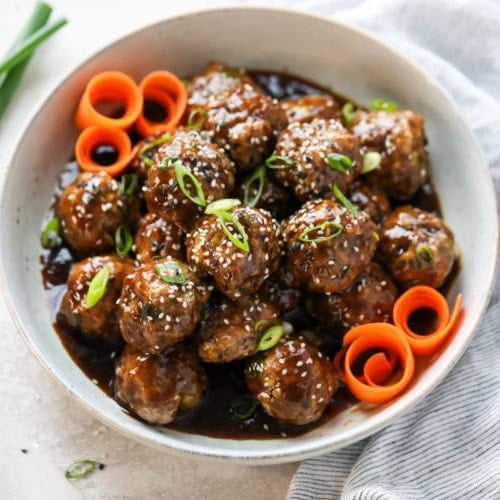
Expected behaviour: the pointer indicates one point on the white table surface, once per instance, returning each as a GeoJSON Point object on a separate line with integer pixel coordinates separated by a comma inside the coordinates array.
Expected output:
{"type": "Point", "coordinates": [41, 430]}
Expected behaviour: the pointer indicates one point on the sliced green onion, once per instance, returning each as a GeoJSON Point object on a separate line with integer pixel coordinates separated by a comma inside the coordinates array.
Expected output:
{"type": "Point", "coordinates": [123, 240]}
{"type": "Point", "coordinates": [371, 161]}
{"type": "Point", "coordinates": [97, 287]}
{"type": "Point", "coordinates": [128, 184]}
{"type": "Point", "coordinates": [344, 200]}
{"type": "Point", "coordinates": [415, 158]}
{"type": "Point", "coordinates": [149, 313]}
{"type": "Point", "coordinates": [258, 176]}
{"type": "Point", "coordinates": [243, 407]}
{"type": "Point", "coordinates": [276, 162]}
{"type": "Point", "coordinates": [51, 234]}
{"type": "Point", "coordinates": [81, 469]}
{"type": "Point", "coordinates": [168, 162]}
{"type": "Point", "coordinates": [224, 205]}
{"type": "Point", "coordinates": [242, 241]}
{"type": "Point", "coordinates": [270, 337]}
{"type": "Point", "coordinates": [348, 112]}
{"type": "Point", "coordinates": [171, 272]}
{"type": "Point", "coordinates": [181, 172]}
{"type": "Point", "coordinates": [381, 104]}
{"type": "Point", "coordinates": [339, 162]}
{"type": "Point", "coordinates": [197, 118]}
{"type": "Point", "coordinates": [147, 151]}
{"type": "Point", "coordinates": [424, 254]}
{"type": "Point", "coordinates": [26, 47]}
{"type": "Point", "coordinates": [320, 228]}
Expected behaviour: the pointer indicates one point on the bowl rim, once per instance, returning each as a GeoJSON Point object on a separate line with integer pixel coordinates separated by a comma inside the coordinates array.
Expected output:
{"type": "Point", "coordinates": [304, 449]}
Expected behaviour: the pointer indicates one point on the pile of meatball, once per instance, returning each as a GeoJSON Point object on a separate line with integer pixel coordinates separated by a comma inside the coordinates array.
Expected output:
{"type": "Point", "coordinates": [198, 288]}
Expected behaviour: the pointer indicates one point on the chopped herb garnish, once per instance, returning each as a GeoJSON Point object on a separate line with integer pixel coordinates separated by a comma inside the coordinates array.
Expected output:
{"type": "Point", "coordinates": [51, 234]}
{"type": "Point", "coordinates": [339, 162]}
{"type": "Point", "coordinates": [147, 151]}
{"type": "Point", "coordinates": [171, 272]}
{"type": "Point", "coordinates": [243, 407]}
{"type": "Point", "coordinates": [257, 179]}
{"type": "Point", "coordinates": [381, 104]}
{"type": "Point", "coordinates": [181, 172]}
{"type": "Point", "coordinates": [149, 313]}
{"type": "Point", "coordinates": [270, 337]}
{"type": "Point", "coordinates": [97, 287]}
{"type": "Point", "coordinates": [81, 469]}
{"type": "Point", "coordinates": [224, 205]}
{"type": "Point", "coordinates": [128, 184]}
{"type": "Point", "coordinates": [371, 161]}
{"type": "Point", "coordinates": [424, 254]}
{"type": "Point", "coordinates": [320, 229]}
{"type": "Point", "coordinates": [276, 162]}
{"type": "Point", "coordinates": [168, 162]}
{"type": "Point", "coordinates": [240, 239]}
{"type": "Point", "coordinates": [197, 118]}
{"type": "Point", "coordinates": [344, 200]}
{"type": "Point", "coordinates": [123, 241]}
{"type": "Point", "coordinates": [348, 112]}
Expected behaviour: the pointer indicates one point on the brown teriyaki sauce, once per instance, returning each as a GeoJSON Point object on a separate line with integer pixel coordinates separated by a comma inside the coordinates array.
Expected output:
{"type": "Point", "coordinates": [213, 417]}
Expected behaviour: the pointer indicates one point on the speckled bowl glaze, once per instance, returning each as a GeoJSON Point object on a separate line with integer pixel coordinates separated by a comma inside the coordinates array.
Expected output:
{"type": "Point", "coordinates": [328, 52]}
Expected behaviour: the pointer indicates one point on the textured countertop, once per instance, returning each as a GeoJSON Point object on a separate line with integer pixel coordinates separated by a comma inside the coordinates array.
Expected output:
{"type": "Point", "coordinates": [42, 431]}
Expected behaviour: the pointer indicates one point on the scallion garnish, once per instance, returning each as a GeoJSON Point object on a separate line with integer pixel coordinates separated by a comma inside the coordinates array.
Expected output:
{"type": "Point", "coordinates": [197, 118]}
{"type": "Point", "coordinates": [243, 407]}
{"type": "Point", "coordinates": [258, 177]}
{"type": "Point", "coordinates": [320, 229]}
{"type": "Point", "coordinates": [168, 162]}
{"type": "Point", "coordinates": [51, 234]}
{"type": "Point", "coordinates": [270, 337]}
{"type": "Point", "coordinates": [97, 287]}
{"type": "Point", "coordinates": [276, 162]}
{"type": "Point", "coordinates": [123, 240]}
{"type": "Point", "coordinates": [344, 200]}
{"type": "Point", "coordinates": [224, 205]}
{"type": "Point", "coordinates": [240, 239]}
{"type": "Point", "coordinates": [339, 162]}
{"type": "Point", "coordinates": [81, 469]}
{"type": "Point", "coordinates": [171, 272]}
{"type": "Point", "coordinates": [381, 104]}
{"type": "Point", "coordinates": [348, 112]}
{"type": "Point", "coordinates": [424, 254]}
{"type": "Point", "coordinates": [128, 184]}
{"type": "Point", "coordinates": [147, 151]}
{"type": "Point", "coordinates": [371, 161]}
{"type": "Point", "coordinates": [181, 172]}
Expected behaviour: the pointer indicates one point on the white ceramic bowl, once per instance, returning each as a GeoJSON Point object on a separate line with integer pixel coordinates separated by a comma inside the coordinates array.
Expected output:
{"type": "Point", "coordinates": [327, 52]}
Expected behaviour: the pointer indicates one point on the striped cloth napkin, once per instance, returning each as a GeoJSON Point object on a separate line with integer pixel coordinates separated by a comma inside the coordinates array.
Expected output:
{"type": "Point", "coordinates": [448, 447]}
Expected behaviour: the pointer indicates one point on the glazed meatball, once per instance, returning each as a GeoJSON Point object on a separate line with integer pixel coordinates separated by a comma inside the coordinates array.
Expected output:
{"type": "Point", "coordinates": [399, 137]}
{"type": "Point", "coordinates": [245, 123]}
{"type": "Point", "coordinates": [282, 290]}
{"type": "Point", "coordinates": [157, 238]}
{"type": "Point", "coordinates": [231, 329]}
{"type": "Point", "coordinates": [416, 247]}
{"type": "Point", "coordinates": [160, 387]}
{"type": "Point", "coordinates": [369, 299]}
{"type": "Point", "coordinates": [236, 271]}
{"type": "Point", "coordinates": [101, 319]}
{"type": "Point", "coordinates": [326, 246]}
{"type": "Point", "coordinates": [160, 304]}
{"type": "Point", "coordinates": [318, 155]}
{"type": "Point", "coordinates": [307, 108]}
{"type": "Point", "coordinates": [91, 209]}
{"type": "Point", "coordinates": [371, 200]}
{"type": "Point", "coordinates": [216, 78]}
{"type": "Point", "coordinates": [188, 159]}
{"type": "Point", "coordinates": [293, 381]}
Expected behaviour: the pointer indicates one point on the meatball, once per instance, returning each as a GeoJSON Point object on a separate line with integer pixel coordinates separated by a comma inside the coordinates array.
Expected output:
{"type": "Point", "coordinates": [91, 209]}
{"type": "Point", "coordinates": [157, 238]}
{"type": "Point", "coordinates": [308, 107]}
{"type": "Point", "coordinates": [416, 247]}
{"type": "Point", "coordinates": [245, 123]}
{"type": "Point", "coordinates": [293, 381]}
{"type": "Point", "coordinates": [160, 304]}
{"type": "Point", "coordinates": [187, 173]}
{"type": "Point", "coordinates": [231, 329]}
{"type": "Point", "coordinates": [216, 78]}
{"type": "Point", "coordinates": [316, 155]}
{"type": "Point", "coordinates": [327, 246]}
{"type": "Point", "coordinates": [371, 200]}
{"type": "Point", "coordinates": [236, 269]}
{"type": "Point", "coordinates": [281, 290]}
{"type": "Point", "coordinates": [160, 387]}
{"type": "Point", "coordinates": [101, 319]}
{"type": "Point", "coordinates": [369, 299]}
{"type": "Point", "coordinates": [399, 137]}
